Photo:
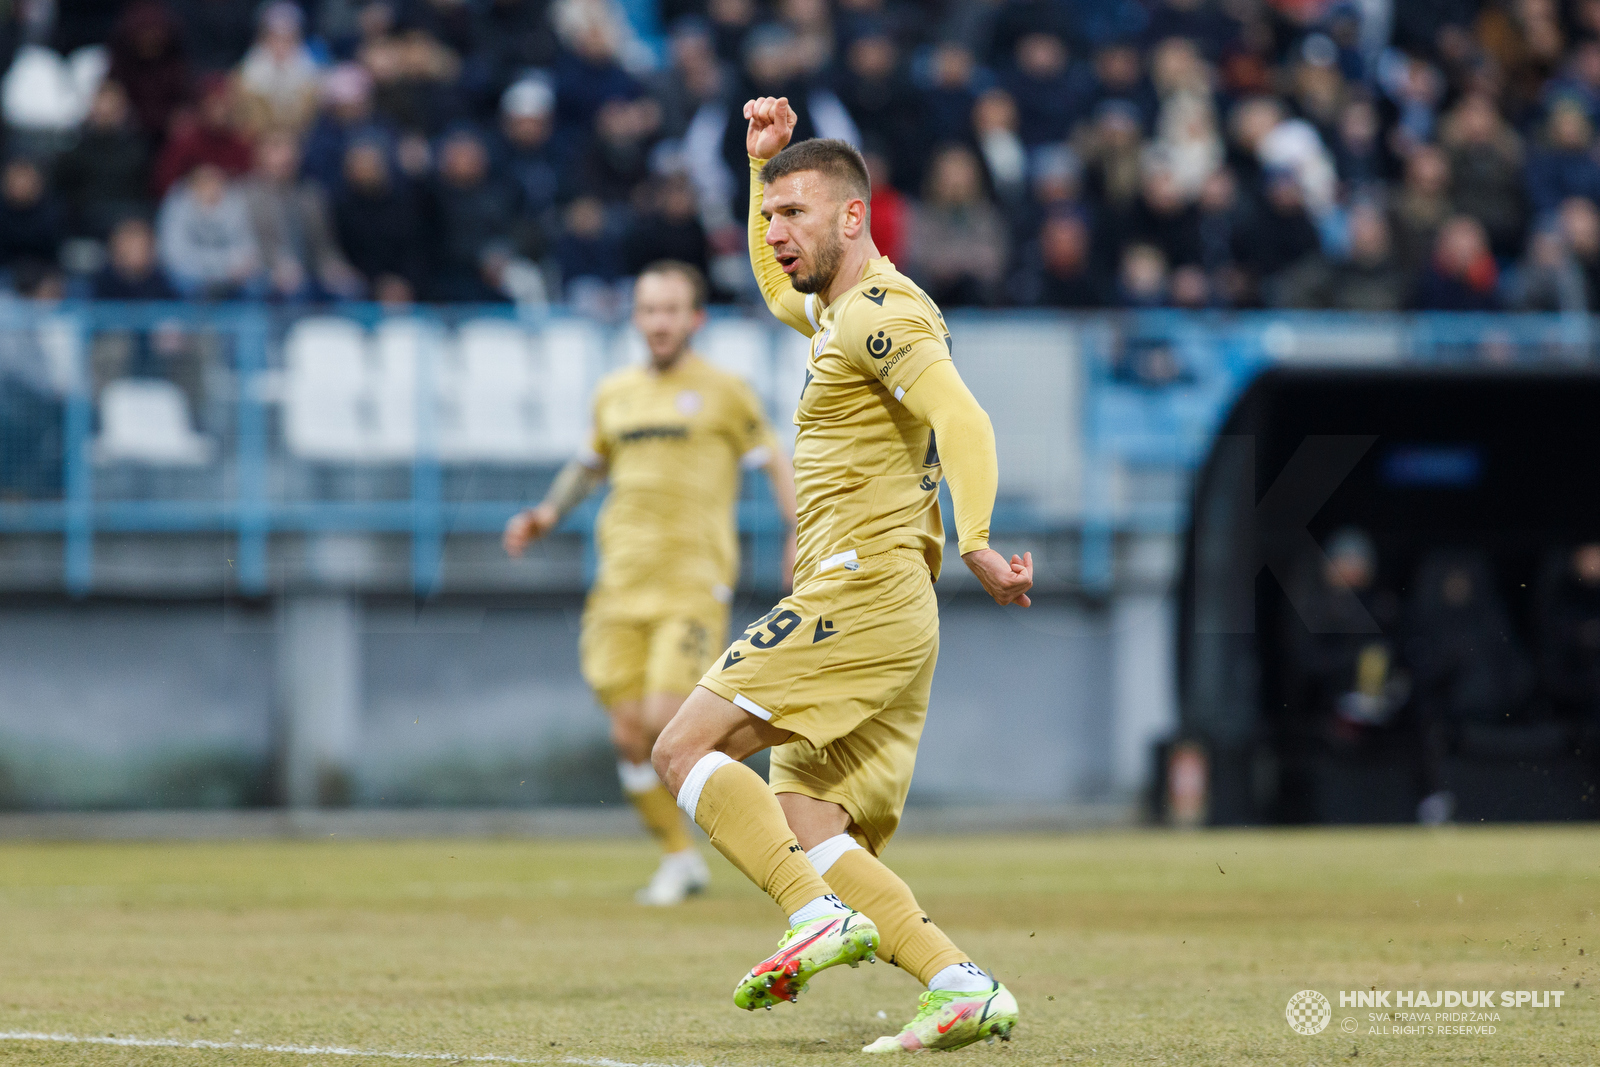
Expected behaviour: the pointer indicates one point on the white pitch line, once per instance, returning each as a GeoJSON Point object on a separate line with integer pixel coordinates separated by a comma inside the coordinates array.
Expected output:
{"type": "Point", "coordinates": [309, 1050]}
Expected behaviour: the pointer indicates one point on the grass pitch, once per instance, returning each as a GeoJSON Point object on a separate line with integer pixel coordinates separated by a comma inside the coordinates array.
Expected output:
{"type": "Point", "coordinates": [1142, 947]}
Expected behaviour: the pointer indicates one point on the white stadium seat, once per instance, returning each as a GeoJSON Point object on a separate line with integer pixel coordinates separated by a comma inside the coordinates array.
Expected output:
{"type": "Point", "coordinates": [568, 349]}
{"type": "Point", "coordinates": [743, 347]}
{"type": "Point", "coordinates": [490, 411]}
{"type": "Point", "coordinates": [402, 349]}
{"type": "Point", "coordinates": [327, 411]}
{"type": "Point", "coordinates": [147, 421]}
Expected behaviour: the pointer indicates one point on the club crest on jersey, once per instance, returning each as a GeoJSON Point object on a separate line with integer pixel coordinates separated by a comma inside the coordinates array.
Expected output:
{"type": "Point", "coordinates": [689, 402]}
{"type": "Point", "coordinates": [822, 338]}
{"type": "Point", "coordinates": [878, 346]}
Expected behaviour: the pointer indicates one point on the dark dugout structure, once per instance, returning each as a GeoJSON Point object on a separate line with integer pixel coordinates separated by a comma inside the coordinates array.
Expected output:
{"type": "Point", "coordinates": [1468, 663]}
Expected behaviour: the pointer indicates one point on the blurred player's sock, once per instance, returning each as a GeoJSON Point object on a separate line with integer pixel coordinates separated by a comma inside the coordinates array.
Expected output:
{"type": "Point", "coordinates": [657, 810]}
{"type": "Point", "coordinates": [680, 874]}
{"type": "Point", "coordinates": [907, 937]}
{"type": "Point", "coordinates": [738, 812]}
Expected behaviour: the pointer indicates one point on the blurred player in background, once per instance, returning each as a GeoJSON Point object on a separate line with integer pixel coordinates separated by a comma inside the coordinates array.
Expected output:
{"type": "Point", "coordinates": [672, 437]}
{"type": "Point", "coordinates": [837, 676]}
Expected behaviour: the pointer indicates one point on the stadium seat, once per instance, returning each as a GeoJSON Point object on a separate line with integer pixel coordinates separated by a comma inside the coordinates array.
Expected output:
{"type": "Point", "coordinates": [147, 421]}
{"type": "Point", "coordinates": [490, 410]}
{"type": "Point", "coordinates": [327, 412]}
{"type": "Point", "coordinates": [568, 349]}
{"type": "Point", "coordinates": [406, 353]}
{"type": "Point", "coordinates": [788, 380]}
{"type": "Point", "coordinates": [743, 347]}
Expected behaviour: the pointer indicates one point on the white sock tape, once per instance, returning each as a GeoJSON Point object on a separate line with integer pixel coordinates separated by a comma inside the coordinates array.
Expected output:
{"type": "Point", "coordinates": [825, 855]}
{"type": "Point", "coordinates": [699, 774]}
{"type": "Point", "coordinates": [637, 777]}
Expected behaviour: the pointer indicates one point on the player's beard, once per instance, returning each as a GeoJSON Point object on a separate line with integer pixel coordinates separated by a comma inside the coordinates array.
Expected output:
{"type": "Point", "coordinates": [828, 254]}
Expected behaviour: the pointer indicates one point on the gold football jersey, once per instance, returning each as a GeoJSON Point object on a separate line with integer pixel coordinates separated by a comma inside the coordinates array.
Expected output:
{"type": "Point", "coordinates": [866, 470]}
{"type": "Point", "coordinates": [674, 445]}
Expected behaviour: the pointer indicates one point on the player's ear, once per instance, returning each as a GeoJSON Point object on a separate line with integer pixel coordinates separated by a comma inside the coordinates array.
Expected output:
{"type": "Point", "coordinates": [855, 218]}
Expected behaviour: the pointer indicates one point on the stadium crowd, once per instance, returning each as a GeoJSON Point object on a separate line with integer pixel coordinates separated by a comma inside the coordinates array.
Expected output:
{"type": "Point", "coordinates": [1353, 154]}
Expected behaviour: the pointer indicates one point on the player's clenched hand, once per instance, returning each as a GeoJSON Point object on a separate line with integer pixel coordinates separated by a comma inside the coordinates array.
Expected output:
{"type": "Point", "coordinates": [1009, 582]}
{"type": "Point", "coordinates": [771, 125]}
{"type": "Point", "coordinates": [528, 525]}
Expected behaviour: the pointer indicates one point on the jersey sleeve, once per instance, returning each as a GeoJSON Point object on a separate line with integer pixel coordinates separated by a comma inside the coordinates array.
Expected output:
{"type": "Point", "coordinates": [752, 434]}
{"type": "Point", "coordinates": [891, 337]}
{"type": "Point", "coordinates": [792, 308]}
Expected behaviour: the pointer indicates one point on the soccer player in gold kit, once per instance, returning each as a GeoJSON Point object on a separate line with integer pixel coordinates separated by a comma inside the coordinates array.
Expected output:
{"type": "Point", "coordinates": [672, 437]}
{"type": "Point", "coordinates": [836, 677]}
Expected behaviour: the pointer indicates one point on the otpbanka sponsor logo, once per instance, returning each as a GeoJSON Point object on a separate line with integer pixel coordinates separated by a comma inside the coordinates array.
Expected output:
{"type": "Point", "coordinates": [1416, 1012]}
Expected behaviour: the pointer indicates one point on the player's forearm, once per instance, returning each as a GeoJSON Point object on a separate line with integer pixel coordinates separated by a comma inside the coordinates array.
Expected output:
{"type": "Point", "coordinates": [780, 478]}
{"type": "Point", "coordinates": [966, 448]}
{"type": "Point", "coordinates": [572, 486]}
{"type": "Point", "coordinates": [788, 305]}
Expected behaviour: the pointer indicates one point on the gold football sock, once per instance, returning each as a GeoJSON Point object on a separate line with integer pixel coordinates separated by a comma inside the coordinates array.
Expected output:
{"type": "Point", "coordinates": [908, 938]}
{"type": "Point", "coordinates": [738, 812]}
{"type": "Point", "coordinates": [660, 815]}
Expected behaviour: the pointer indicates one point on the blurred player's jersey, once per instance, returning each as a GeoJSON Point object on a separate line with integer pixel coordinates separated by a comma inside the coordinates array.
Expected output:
{"type": "Point", "coordinates": [674, 445]}
{"type": "Point", "coordinates": [866, 470]}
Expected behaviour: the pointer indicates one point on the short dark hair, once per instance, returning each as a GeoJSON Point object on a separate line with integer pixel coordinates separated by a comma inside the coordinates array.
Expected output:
{"type": "Point", "coordinates": [837, 159]}
{"type": "Point", "coordinates": [688, 272]}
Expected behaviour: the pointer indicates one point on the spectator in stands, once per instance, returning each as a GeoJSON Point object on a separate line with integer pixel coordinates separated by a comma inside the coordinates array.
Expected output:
{"type": "Point", "coordinates": [589, 253]}
{"type": "Point", "coordinates": [811, 23]}
{"type": "Point", "coordinates": [292, 227]}
{"type": "Point", "coordinates": [891, 210]}
{"type": "Point", "coordinates": [1282, 235]}
{"type": "Point", "coordinates": [693, 77]}
{"type": "Point", "coordinates": [413, 73]}
{"type": "Point", "coordinates": [1201, 21]}
{"type": "Point", "coordinates": [1463, 275]}
{"type": "Point", "coordinates": [1058, 266]}
{"type": "Point", "coordinates": [1049, 98]}
{"type": "Point", "coordinates": [958, 242]}
{"type": "Point", "coordinates": [147, 60]}
{"type": "Point", "coordinates": [131, 271]}
{"type": "Point", "coordinates": [1485, 158]}
{"type": "Point", "coordinates": [1368, 279]}
{"type": "Point", "coordinates": [1363, 162]}
{"type": "Point", "coordinates": [881, 99]}
{"type": "Point", "coordinates": [1269, 139]}
{"type": "Point", "coordinates": [209, 135]}
{"type": "Point", "coordinates": [103, 176]}
{"type": "Point", "coordinates": [1112, 156]}
{"type": "Point", "coordinates": [1186, 126]}
{"type": "Point", "coordinates": [278, 79]}
{"type": "Point", "coordinates": [1569, 633]}
{"type": "Point", "coordinates": [1226, 224]}
{"type": "Point", "coordinates": [216, 33]}
{"type": "Point", "coordinates": [525, 150]}
{"type": "Point", "coordinates": [1562, 165]}
{"type": "Point", "coordinates": [1005, 158]}
{"type": "Point", "coordinates": [474, 225]}
{"type": "Point", "coordinates": [617, 160]}
{"type": "Point", "coordinates": [346, 114]}
{"type": "Point", "coordinates": [1579, 225]}
{"type": "Point", "coordinates": [731, 22]}
{"type": "Point", "coordinates": [1421, 208]}
{"type": "Point", "coordinates": [1548, 279]}
{"type": "Point", "coordinates": [1119, 75]}
{"type": "Point", "coordinates": [32, 224]}
{"type": "Point", "coordinates": [1161, 216]}
{"type": "Point", "coordinates": [1142, 277]}
{"type": "Point", "coordinates": [378, 224]}
{"type": "Point", "coordinates": [668, 227]}
{"type": "Point", "coordinates": [588, 71]}
{"type": "Point", "coordinates": [946, 102]}
{"type": "Point", "coordinates": [206, 243]}
{"type": "Point", "coordinates": [512, 37]}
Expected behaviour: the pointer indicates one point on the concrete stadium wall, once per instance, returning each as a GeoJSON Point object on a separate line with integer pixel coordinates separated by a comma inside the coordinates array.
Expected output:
{"type": "Point", "coordinates": [330, 699]}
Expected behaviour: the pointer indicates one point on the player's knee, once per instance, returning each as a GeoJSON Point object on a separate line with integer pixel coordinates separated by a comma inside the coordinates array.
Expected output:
{"type": "Point", "coordinates": [673, 757]}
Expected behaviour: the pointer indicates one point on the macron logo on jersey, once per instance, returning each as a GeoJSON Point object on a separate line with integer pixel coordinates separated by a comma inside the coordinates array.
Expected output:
{"type": "Point", "coordinates": [876, 295]}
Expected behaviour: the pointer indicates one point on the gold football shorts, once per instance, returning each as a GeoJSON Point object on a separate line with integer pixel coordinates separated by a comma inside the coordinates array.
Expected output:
{"type": "Point", "coordinates": [625, 656]}
{"type": "Point", "coordinates": [845, 663]}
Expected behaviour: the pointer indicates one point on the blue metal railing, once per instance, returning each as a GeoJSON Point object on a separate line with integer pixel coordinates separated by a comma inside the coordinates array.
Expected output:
{"type": "Point", "coordinates": [1154, 387]}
